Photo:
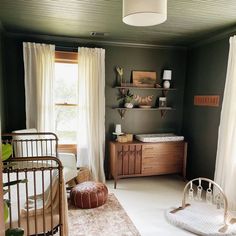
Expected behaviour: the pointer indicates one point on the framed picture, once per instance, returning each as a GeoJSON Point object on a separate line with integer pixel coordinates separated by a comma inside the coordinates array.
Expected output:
{"type": "Point", "coordinates": [144, 78]}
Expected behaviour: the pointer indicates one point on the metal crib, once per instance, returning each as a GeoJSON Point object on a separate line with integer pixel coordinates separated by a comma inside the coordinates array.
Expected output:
{"type": "Point", "coordinates": [36, 205]}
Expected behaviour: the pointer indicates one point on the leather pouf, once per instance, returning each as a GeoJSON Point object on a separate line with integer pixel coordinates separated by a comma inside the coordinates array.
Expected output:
{"type": "Point", "coordinates": [89, 194]}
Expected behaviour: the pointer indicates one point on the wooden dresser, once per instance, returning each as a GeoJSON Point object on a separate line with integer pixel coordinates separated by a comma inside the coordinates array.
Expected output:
{"type": "Point", "coordinates": [143, 159]}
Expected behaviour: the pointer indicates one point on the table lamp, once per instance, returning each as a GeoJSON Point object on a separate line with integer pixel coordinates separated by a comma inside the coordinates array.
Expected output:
{"type": "Point", "coordinates": [167, 77]}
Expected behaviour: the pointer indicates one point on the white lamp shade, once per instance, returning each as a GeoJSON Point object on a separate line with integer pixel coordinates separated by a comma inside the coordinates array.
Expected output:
{"type": "Point", "coordinates": [144, 12]}
{"type": "Point", "coordinates": [167, 75]}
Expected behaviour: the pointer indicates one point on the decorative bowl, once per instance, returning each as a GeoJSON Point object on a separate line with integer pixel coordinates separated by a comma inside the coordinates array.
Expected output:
{"type": "Point", "coordinates": [129, 105]}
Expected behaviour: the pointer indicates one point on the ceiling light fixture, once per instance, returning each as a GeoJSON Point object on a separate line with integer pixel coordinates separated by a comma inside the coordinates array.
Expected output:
{"type": "Point", "coordinates": [144, 12]}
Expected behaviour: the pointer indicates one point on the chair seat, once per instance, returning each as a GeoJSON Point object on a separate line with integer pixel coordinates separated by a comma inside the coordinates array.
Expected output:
{"type": "Point", "coordinates": [69, 174]}
{"type": "Point", "coordinates": [68, 161]}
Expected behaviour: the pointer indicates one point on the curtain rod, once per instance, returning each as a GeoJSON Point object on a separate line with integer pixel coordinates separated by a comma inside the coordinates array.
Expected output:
{"type": "Point", "coordinates": [70, 48]}
{"type": "Point", "coordinates": [66, 48]}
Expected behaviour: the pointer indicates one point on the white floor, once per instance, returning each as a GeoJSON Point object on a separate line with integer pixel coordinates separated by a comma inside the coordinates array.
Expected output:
{"type": "Point", "coordinates": [145, 201]}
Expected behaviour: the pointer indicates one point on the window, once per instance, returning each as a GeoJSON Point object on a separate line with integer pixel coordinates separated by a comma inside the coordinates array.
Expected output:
{"type": "Point", "coordinates": [65, 97]}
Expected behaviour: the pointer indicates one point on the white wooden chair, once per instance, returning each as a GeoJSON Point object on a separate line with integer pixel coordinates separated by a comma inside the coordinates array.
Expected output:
{"type": "Point", "coordinates": [30, 142]}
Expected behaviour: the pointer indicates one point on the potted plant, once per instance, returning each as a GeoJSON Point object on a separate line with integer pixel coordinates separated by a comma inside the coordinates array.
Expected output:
{"type": "Point", "coordinates": [126, 98]}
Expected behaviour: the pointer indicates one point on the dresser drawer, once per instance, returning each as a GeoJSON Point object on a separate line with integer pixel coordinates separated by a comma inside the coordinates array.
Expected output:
{"type": "Point", "coordinates": [172, 148]}
{"type": "Point", "coordinates": [162, 169]}
{"type": "Point", "coordinates": [162, 158]}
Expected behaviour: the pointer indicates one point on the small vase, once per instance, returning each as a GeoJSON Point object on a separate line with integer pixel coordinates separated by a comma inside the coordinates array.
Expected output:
{"type": "Point", "coordinates": [121, 80]}
{"type": "Point", "coordinates": [166, 84]}
{"type": "Point", "coordinates": [129, 105]}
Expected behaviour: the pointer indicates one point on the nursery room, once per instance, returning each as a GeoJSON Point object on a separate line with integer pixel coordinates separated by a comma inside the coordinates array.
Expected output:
{"type": "Point", "coordinates": [118, 117]}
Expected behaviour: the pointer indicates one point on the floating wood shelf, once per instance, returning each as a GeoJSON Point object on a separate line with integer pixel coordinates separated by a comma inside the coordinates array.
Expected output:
{"type": "Point", "coordinates": [164, 90]}
{"type": "Point", "coordinates": [122, 110]}
{"type": "Point", "coordinates": [136, 87]}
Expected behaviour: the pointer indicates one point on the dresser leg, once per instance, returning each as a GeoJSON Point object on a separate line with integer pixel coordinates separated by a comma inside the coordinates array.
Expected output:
{"type": "Point", "coordinates": [109, 175]}
{"type": "Point", "coordinates": [115, 183]}
{"type": "Point", "coordinates": [185, 160]}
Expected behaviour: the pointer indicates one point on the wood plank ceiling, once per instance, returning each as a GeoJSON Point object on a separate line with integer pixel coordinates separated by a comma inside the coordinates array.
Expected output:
{"type": "Point", "coordinates": [188, 20]}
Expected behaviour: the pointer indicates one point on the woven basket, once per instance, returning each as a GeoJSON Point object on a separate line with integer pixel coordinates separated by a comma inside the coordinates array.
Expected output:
{"type": "Point", "coordinates": [82, 176]}
{"type": "Point", "coordinates": [122, 139]}
{"type": "Point", "coordinates": [129, 137]}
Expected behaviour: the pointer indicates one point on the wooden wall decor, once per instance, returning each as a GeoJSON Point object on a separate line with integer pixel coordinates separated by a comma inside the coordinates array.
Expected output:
{"type": "Point", "coordinates": [210, 101]}
{"type": "Point", "coordinates": [144, 78]}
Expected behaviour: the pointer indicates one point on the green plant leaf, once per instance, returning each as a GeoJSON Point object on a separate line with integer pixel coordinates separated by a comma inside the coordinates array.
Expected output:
{"type": "Point", "coordinates": [6, 151]}
{"type": "Point", "coordinates": [5, 191]}
{"type": "Point", "coordinates": [15, 232]}
{"type": "Point", "coordinates": [125, 97]}
{"type": "Point", "coordinates": [6, 211]}
{"type": "Point", "coordinates": [7, 202]}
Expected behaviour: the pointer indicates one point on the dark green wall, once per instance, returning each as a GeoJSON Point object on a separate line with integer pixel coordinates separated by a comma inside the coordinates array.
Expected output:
{"type": "Point", "coordinates": [207, 65]}
{"type": "Point", "coordinates": [145, 59]}
{"type": "Point", "coordinates": [130, 59]}
{"type": "Point", "coordinates": [14, 96]}
{"type": "Point", "coordinates": [152, 60]}
{"type": "Point", "coordinates": [206, 71]}
{"type": "Point", "coordinates": [2, 115]}
{"type": "Point", "coordinates": [14, 80]}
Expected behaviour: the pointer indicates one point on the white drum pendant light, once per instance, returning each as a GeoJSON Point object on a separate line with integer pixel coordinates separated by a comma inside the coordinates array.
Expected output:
{"type": "Point", "coordinates": [144, 12]}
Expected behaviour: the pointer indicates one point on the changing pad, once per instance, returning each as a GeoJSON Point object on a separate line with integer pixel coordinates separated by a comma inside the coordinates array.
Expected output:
{"type": "Point", "coordinates": [164, 137]}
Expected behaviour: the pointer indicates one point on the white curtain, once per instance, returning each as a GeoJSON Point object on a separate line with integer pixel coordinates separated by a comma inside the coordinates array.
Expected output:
{"type": "Point", "coordinates": [39, 76]}
{"type": "Point", "coordinates": [225, 172]}
{"type": "Point", "coordinates": [91, 100]}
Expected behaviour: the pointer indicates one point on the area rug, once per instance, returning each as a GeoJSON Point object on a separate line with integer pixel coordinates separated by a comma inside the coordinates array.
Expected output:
{"type": "Point", "coordinates": [107, 220]}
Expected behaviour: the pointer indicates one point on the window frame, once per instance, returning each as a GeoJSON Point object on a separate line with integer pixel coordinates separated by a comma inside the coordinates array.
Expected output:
{"type": "Point", "coordinates": [66, 57]}
{"type": "Point", "coordinates": [70, 58]}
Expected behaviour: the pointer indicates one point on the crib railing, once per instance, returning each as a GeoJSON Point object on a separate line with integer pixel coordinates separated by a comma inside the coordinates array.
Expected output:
{"type": "Point", "coordinates": [35, 204]}
{"type": "Point", "coordinates": [37, 219]}
{"type": "Point", "coordinates": [32, 144]}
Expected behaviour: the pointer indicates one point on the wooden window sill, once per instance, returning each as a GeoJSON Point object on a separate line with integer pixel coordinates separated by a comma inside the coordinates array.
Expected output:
{"type": "Point", "coordinates": [67, 148]}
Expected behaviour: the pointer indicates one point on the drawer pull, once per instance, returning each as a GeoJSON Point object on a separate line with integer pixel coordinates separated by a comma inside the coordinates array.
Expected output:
{"type": "Point", "coordinates": [148, 148]}
{"type": "Point", "coordinates": [150, 160]}
{"type": "Point", "coordinates": [148, 168]}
